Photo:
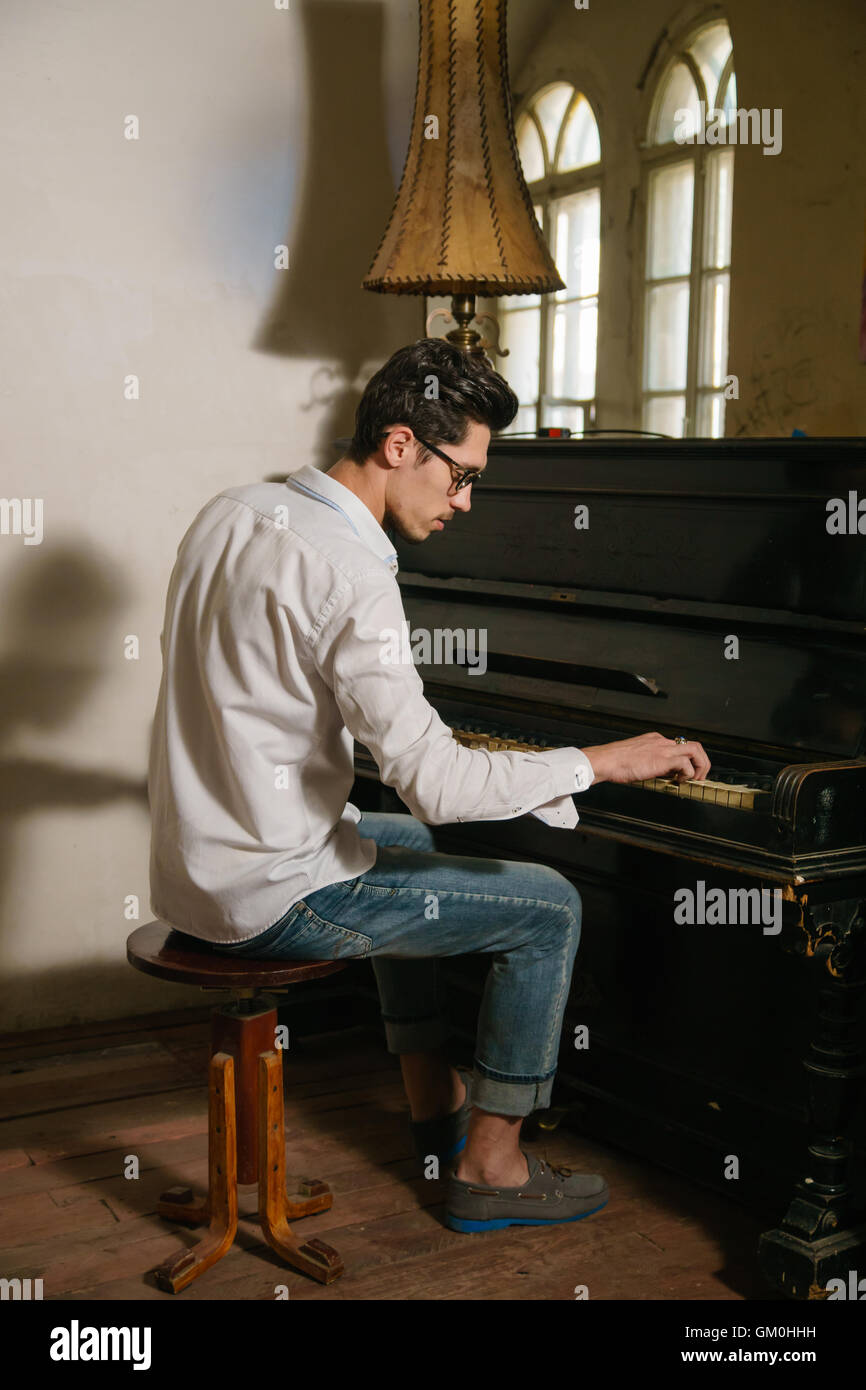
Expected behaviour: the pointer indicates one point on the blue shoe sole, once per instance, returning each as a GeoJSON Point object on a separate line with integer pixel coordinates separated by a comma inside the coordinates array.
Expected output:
{"type": "Point", "coordinates": [458, 1223]}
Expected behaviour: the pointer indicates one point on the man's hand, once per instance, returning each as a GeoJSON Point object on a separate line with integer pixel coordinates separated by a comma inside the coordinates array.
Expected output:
{"type": "Point", "coordinates": [648, 755]}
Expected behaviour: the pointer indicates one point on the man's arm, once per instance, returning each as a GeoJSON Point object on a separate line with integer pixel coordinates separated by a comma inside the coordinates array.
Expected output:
{"type": "Point", "coordinates": [381, 699]}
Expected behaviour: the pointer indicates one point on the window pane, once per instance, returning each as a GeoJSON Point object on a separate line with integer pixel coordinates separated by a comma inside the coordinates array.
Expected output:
{"type": "Point", "coordinates": [665, 415]}
{"type": "Point", "coordinates": [576, 225]}
{"type": "Point", "coordinates": [529, 149]}
{"type": "Point", "coordinates": [711, 417]}
{"type": "Point", "coordinates": [710, 51]}
{"type": "Point", "coordinates": [679, 94]}
{"type": "Point", "coordinates": [524, 419]}
{"type": "Point", "coordinates": [574, 334]}
{"type": "Point", "coordinates": [669, 243]}
{"type": "Point", "coordinates": [519, 332]}
{"type": "Point", "coordinates": [729, 106]}
{"type": "Point", "coordinates": [667, 337]}
{"type": "Point", "coordinates": [713, 362]}
{"type": "Point", "coordinates": [580, 143]}
{"type": "Point", "coordinates": [514, 301]}
{"type": "Point", "coordinates": [720, 203]}
{"type": "Point", "coordinates": [570, 416]}
{"type": "Point", "coordinates": [550, 109]}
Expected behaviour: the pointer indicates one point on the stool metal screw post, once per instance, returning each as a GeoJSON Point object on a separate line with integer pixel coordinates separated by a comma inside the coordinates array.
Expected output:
{"type": "Point", "coordinates": [246, 1121]}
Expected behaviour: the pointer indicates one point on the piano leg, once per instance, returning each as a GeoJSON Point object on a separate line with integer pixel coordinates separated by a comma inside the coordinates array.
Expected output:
{"type": "Point", "coordinates": [820, 1238]}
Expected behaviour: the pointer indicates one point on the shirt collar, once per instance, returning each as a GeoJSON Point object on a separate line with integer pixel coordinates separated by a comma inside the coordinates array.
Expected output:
{"type": "Point", "coordinates": [313, 483]}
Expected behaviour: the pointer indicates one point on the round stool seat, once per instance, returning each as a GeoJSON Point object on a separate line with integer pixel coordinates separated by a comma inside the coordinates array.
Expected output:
{"type": "Point", "coordinates": [159, 950]}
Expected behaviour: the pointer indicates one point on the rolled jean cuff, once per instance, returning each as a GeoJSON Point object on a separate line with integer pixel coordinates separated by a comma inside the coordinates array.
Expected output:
{"type": "Point", "coordinates": [416, 1034]}
{"type": "Point", "coordinates": [510, 1097]}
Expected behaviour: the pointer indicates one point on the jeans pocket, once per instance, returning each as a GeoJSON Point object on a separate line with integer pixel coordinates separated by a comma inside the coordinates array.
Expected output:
{"type": "Point", "coordinates": [313, 938]}
{"type": "Point", "coordinates": [259, 947]}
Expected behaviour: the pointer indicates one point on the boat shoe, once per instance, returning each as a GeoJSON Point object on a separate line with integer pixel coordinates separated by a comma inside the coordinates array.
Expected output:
{"type": "Point", "coordinates": [551, 1195]}
{"type": "Point", "coordinates": [446, 1137]}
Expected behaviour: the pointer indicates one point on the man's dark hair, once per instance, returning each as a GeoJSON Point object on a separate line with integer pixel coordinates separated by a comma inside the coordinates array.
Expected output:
{"type": "Point", "coordinates": [436, 389]}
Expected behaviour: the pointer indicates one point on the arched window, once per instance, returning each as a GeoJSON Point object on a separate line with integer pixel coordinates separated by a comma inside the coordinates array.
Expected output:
{"type": "Point", "coordinates": [552, 338]}
{"type": "Point", "coordinates": [689, 179]}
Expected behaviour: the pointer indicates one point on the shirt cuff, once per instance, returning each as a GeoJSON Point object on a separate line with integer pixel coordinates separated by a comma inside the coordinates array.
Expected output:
{"type": "Point", "coordinates": [561, 811]}
{"type": "Point", "coordinates": [584, 774]}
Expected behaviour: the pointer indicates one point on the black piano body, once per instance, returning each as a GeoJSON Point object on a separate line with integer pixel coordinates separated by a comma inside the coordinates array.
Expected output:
{"type": "Point", "coordinates": [716, 590]}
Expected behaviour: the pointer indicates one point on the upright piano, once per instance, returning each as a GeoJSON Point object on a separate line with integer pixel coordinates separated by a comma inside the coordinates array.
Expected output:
{"type": "Point", "coordinates": [716, 590]}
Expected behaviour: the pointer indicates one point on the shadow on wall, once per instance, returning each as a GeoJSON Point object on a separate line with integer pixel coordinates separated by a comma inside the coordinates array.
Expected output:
{"type": "Point", "coordinates": [320, 310]}
{"type": "Point", "coordinates": [60, 615]}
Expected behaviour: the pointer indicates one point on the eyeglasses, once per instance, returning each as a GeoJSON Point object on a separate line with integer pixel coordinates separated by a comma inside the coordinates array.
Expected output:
{"type": "Point", "coordinates": [461, 477]}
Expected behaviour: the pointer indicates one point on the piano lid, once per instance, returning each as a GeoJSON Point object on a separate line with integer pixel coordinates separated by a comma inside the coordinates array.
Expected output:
{"type": "Point", "coordinates": [737, 522]}
{"type": "Point", "coordinates": [687, 544]}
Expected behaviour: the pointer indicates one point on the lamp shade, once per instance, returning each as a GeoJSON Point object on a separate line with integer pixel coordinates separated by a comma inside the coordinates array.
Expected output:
{"type": "Point", "coordinates": [462, 221]}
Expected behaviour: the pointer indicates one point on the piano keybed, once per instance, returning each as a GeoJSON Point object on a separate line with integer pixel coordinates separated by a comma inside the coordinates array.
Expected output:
{"type": "Point", "coordinates": [738, 797]}
{"type": "Point", "coordinates": [725, 789]}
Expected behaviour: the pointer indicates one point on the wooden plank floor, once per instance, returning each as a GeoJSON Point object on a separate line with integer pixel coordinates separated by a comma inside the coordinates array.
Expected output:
{"type": "Point", "coordinates": [77, 1103]}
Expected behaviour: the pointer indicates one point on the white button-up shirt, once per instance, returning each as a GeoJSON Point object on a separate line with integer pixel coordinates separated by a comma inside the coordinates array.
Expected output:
{"type": "Point", "coordinates": [275, 624]}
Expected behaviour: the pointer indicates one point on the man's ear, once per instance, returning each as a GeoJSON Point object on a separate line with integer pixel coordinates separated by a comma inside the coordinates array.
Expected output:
{"type": "Point", "coordinates": [397, 443]}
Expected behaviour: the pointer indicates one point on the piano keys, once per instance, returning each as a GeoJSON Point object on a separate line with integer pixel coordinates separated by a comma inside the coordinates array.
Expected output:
{"type": "Point", "coordinates": [728, 793]}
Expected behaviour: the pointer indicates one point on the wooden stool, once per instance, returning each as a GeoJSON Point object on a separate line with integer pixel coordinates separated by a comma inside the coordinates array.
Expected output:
{"type": "Point", "coordinates": [246, 1123]}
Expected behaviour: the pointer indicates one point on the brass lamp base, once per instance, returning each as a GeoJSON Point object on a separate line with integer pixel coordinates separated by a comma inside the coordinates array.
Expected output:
{"type": "Point", "coordinates": [464, 337]}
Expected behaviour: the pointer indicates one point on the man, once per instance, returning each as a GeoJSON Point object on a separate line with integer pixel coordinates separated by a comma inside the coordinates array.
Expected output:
{"type": "Point", "coordinates": [274, 661]}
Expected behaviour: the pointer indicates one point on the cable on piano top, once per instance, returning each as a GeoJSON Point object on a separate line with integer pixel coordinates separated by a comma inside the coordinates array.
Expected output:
{"type": "Point", "coordinates": [566, 432]}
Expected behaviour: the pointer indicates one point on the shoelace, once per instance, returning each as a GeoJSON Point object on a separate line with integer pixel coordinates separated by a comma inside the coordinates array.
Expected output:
{"type": "Point", "coordinates": [559, 1172]}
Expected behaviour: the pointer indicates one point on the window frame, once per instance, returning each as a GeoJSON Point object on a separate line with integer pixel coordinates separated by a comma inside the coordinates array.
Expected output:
{"type": "Point", "coordinates": [656, 156]}
{"type": "Point", "coordinates": [545, 191]}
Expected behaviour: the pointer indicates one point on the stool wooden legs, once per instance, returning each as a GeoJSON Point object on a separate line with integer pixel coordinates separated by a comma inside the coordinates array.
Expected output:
{"type": "Point", "coordinates": [220, 1207]}
{"type": "Point", "coordinates": [246, 1126]}
{"type": "Point", "coordinates": [275, 1208]}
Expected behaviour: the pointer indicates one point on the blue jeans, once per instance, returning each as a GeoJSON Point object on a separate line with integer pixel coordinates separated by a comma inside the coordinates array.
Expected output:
{"type": "Point", "coordinates": [415, 905]}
